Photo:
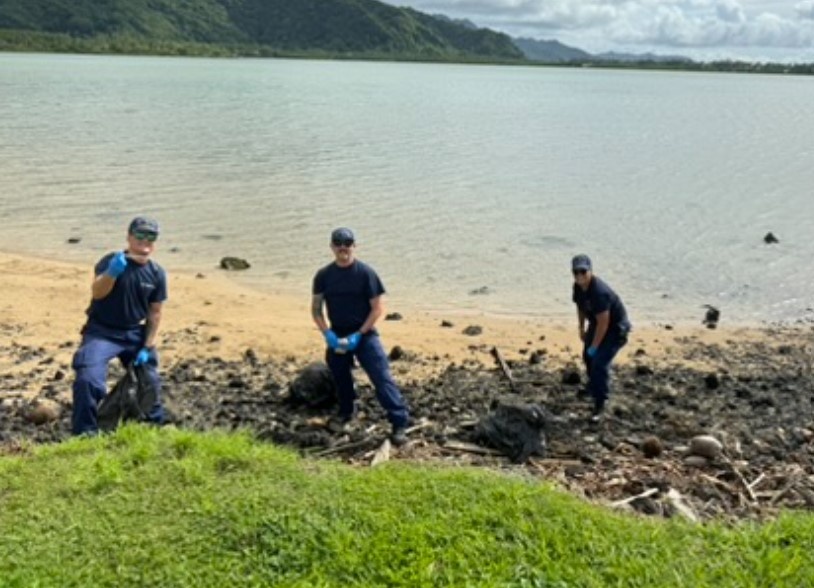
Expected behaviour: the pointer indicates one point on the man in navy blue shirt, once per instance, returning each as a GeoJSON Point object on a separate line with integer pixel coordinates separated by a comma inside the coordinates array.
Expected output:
{"type": "Point", "coordinates": [608, 328]}
{"type": "Point", "coordinates": [127, 294]}
{"type": "Point", "coordinates": [352, 292]}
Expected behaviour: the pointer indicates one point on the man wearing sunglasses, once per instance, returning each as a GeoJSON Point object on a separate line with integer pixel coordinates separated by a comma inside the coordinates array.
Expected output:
{"type": "Point", "coordinates": [353, 292]}
{"type": "Point", "coordinates": [127, 294]}
{"type": "Point", "coordinates": [608, 328]}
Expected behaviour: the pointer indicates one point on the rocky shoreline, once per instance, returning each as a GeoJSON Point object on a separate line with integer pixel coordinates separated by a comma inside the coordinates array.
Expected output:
{"type": "Point", "coordinates": [754, 396]}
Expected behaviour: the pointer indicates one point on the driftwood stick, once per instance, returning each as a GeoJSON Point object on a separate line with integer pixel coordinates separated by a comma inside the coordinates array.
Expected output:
{"type": "Point", "coordinates": [742, 480]}
{"type": "Point", "coordinates": [784, 490]}
{"type": "Point", "coordinates": [422, 424]}
{"type": "Point", "coordinates": [677, 500]}
{"type": "Point", "coordinates": [340, 448]}
{"type": "Point", "coordinates": [470, 448]}
{"type": "Point", "coordinates": [505, 367]}
{"type": "Point", "coordinates": [626, 501]}
{"type": "Point", "coordinates": [544, 462]}
{"type": "Point", "coordinates": [382, 454]}
{"type": "Point", "coordinates": [757, 481]}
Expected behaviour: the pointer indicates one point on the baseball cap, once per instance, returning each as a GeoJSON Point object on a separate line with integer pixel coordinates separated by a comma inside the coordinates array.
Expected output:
{"type": "Point", "coordinates": [143, 224]}
{"type": "Point", "coordinates": [581, 262]}
{"type": "Point", "coordinates": [342, 234]}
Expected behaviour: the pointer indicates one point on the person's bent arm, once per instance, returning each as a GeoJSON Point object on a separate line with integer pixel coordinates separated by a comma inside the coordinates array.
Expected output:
{"type": "Point", "coordinates": [602, 322]}
{"type": "Point", "coordinates": [102, 286]}
{"type": "Point", "coordinates": [317, 302]}
{"type": "Point", "coordinates": [153, 321]}
{"type": "Point", "coordinates": [376, 311]}
{"type": "Point", "coordinates": [581, 324]}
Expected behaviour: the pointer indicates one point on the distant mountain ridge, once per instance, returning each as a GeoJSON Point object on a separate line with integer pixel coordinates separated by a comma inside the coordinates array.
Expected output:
{"type": "Point", "coordinates": [359, 27]}
{"type": "Point", "coordinates": [550, 51]}
{"type": "Point", "coordinates": [556, 52]}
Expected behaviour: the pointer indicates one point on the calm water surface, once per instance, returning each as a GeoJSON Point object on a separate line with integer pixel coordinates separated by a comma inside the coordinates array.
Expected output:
{"type": "Point", "coordinates": [454, 177]}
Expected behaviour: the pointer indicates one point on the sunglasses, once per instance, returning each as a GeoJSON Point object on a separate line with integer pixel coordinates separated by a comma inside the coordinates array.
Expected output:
{"type": "Point", "coordinates": [343, 242]}
{"type": "Point", "coordinates": [580, 272]}
{"type": "Point", "coordinates": [144, 236]}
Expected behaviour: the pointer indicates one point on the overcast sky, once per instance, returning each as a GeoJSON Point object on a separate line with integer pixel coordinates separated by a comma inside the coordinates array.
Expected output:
{"type": "Point", "coordinates": [755, 30]}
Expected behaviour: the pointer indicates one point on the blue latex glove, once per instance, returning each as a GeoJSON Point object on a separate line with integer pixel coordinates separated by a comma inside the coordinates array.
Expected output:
{"type": "Point", "coordinates": [142, 357]}
{"type": "Point", "coordinates": [353, 341]}
{"type": "Point", "coordinates": [117, 265]}
{"type": "Point", "coordinates": [331, 339]}
{"type": "Point", "coordinates": [591, 351]}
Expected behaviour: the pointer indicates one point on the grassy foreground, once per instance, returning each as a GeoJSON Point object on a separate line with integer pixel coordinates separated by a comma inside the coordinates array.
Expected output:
{"type": "Point", "coordinates": [150, 507]}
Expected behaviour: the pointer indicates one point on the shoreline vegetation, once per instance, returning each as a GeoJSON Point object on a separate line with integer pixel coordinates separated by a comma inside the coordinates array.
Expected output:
{"type": "Point", "coordinates": [168, 507]}
{"type": "Point", "coordinates": [21, 41]}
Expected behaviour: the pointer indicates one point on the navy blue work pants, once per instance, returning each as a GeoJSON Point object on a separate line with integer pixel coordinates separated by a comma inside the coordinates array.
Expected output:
{"type": "Point", "coordinates": [373, 360]}
{"type": "Point", "coordinates": [90, 362]}
{"type": "Point", "coordinates": [599, 366]}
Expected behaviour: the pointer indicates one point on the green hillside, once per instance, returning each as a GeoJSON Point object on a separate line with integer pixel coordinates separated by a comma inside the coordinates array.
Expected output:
{"type": "Point", "coordinates": [336, 27]}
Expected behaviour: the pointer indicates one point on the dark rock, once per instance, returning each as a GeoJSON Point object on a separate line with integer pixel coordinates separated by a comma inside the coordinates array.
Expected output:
{"type": "Point", "coordinates": [769, 238]}
{"type": "Point", "coordinates": [652, 447]}
{"type": "Point", "coordinates": [712, 316]}
{"type": "Point", "coordinates": [396, 353]}
{"type": "Point", "coordinates": [234, 264]}
{"type": "Point", "coordinates": [447, 324]}
{"type": "Point", "coordinates": [314, 387]}
{"type": "Point", "coordinates": [480, 291]}
{"type": "Point", "coordinates": [473, 330]}
{"type": "Point", "coordinates": [712, 382]}
{"type": "Point", "coordinates": [535, 358]}
{"type": "Point", "coordinates": [393, 316]}
{"type": "Point", "coordinates": [74, 240]}
{"type": "Point", "coordinates": [571, 375]}
{"type": "Point", "coordinates": [644, 370]}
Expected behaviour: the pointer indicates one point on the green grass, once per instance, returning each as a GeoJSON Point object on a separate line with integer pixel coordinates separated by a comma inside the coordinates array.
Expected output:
{"type": "Point", "coordinates": [149, 507]}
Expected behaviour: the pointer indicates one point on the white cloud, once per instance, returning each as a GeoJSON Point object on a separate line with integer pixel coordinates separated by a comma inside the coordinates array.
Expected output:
{"type": "Point", "coordinates": [650, 24]}
{"type": "Point", "coordinates": [805, 9]}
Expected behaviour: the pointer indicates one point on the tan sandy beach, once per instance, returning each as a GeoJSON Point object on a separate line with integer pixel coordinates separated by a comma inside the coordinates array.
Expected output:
{"type": "Point", "coordinates": [43, 303]}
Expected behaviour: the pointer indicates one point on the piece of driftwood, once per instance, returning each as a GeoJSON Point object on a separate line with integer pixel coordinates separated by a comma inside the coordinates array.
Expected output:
{"type": "Point", "coordinates": [340, 448]}
{"type": "Point", "coordinates": [548, 462]}
{"type": "Point", "coordinates": [422, 424]}
{"type": "Point", "coordinates": [742, 480]}
{"type": "Point", "coordinates": [758, 480]}
{"type": "Point", "coordinates": [678, 502]}
{"type": "Point", "coordinates": [382, 454]}
{"type": "Point", "coordinates": [505, 367]}
{"type": "Point", "coordinates": [626, 501]}
{"type": "Point", "coordinates": [784, 490]}
{"type": "Point", "coordinates": [470, 448]}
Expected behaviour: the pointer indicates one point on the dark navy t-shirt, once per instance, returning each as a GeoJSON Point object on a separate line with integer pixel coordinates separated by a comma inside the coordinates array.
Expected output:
{"type": "Point", "coordinates": [128, 303]}
{"type": "Point", "coordinates": [598, 298]}
{"type": "Point", "coordinates": [347, 292]}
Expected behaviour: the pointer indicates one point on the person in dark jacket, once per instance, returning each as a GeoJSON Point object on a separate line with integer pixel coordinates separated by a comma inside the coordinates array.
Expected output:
{"type": "Point", "coordinates": [352, 292]}
{"type": "Point", "coordinates": [127, 295]}
{"type": "Point", "coordinates": [607, 329]}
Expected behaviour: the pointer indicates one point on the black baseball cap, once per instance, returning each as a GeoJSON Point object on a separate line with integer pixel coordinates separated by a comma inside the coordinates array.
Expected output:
{"type": "Point", "coordinates": [342, 234]}
{"type": "Point", "coordinates": [142, 224]}
{"type": "Point", "coordinates": [581, 262]}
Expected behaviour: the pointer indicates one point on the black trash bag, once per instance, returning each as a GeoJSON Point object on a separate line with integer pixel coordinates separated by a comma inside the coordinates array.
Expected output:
{"type": "Point", "coordinates": [131, 399]}
{"type": "Point", "coordinates": [314, 387]}
{"type": "Point", "coordinates": [515, 429]}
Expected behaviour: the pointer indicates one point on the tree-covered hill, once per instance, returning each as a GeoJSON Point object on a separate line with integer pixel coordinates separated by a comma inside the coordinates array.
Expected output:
{"type": "Point", "coordinates": [358, 27]}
